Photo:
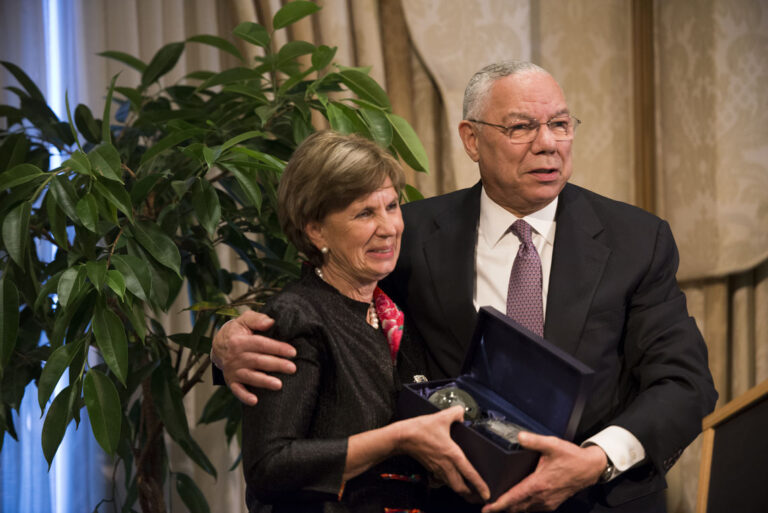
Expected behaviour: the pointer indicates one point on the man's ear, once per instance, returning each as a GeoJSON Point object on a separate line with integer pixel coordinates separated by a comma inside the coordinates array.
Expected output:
{"type": "Point", "coordinates": [314, 230]}
{"type": "Point", "coordinates": [467, 132]}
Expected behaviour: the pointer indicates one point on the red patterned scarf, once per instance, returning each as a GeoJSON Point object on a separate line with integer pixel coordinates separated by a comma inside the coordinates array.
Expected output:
{"type": "Point", "coordinates": [391, 318]}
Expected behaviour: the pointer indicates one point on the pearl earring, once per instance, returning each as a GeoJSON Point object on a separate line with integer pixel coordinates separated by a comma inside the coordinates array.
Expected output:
{"type": "Point", "coordinates": [324, 250]}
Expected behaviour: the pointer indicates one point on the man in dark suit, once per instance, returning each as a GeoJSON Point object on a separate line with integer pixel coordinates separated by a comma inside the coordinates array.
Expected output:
{"type": "Point", "coordinates": [608, 296]}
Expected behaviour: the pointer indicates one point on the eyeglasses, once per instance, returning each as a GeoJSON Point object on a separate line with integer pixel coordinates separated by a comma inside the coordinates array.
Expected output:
{"type": "Point", "coordinates": [561, 128]}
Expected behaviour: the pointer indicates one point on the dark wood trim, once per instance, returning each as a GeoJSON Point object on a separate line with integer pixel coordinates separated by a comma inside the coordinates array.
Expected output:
{"type": "Point", "coordinates": [644, 104]}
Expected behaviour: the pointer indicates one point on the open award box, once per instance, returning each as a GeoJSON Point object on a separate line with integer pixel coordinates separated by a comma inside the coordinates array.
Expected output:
{"type": "Point", "coordinates": [511, 380]}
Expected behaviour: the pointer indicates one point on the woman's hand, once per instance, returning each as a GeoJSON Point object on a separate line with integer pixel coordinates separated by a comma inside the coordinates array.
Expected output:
{"type": "Point", "coordinates": [245, 357]}
{"type": "Point", "coordinates": [427, 439]}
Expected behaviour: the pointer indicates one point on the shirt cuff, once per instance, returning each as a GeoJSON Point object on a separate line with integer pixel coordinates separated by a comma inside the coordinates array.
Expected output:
{"type": "Point", "coordinates": [620, 446]}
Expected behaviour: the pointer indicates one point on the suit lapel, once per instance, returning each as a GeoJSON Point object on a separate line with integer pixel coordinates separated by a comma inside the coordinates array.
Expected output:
{"type": "Point", "coordinates": [578, 263]}
{"type": "Point", "coordinates": [450, 257]}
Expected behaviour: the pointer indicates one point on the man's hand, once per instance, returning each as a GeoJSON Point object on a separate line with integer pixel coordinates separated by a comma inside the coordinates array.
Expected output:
{"type": "Point", "coordinates": [245, 357]}
{"type": "Point", "coordinates": [427, 439]}
{"type": "Point", "coordinates": [564, 469]}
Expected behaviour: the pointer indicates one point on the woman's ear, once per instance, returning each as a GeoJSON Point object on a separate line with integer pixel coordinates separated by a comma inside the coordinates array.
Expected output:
{"type": "Point", "coordinates": [314, 230]}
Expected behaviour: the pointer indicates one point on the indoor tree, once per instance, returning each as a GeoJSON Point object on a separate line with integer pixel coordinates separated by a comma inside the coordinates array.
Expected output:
{"type": "Point", "coordinates": [135, 213]}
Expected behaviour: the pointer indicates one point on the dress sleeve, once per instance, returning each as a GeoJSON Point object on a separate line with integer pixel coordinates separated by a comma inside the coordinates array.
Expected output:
{"type": "Point", "coordinates": [280, 462]}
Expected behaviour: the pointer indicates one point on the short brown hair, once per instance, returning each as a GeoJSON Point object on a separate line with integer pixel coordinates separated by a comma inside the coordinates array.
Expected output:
{"type": "Point", "coordinates": [326, 173]}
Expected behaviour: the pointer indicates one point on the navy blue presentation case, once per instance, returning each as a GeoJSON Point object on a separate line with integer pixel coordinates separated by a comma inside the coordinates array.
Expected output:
{"type": "Point", "coordinates": [512, 371]}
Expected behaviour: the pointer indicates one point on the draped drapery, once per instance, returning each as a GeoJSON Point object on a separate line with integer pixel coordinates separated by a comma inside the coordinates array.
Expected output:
{"type": "Point", "coordinates": [708, 109]}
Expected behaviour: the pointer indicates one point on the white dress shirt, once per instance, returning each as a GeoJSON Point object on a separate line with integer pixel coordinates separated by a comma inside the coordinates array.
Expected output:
{"type": "Point", "coordinates": [494, 255]}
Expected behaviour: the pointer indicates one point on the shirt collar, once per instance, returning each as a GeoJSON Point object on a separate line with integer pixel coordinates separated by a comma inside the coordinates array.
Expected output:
{"type": "Point", "coordinates": [495, 220]}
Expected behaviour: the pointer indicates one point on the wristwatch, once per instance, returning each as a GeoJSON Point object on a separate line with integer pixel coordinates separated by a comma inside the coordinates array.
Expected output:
{"type": "Point", "coordinates": [608, 472]}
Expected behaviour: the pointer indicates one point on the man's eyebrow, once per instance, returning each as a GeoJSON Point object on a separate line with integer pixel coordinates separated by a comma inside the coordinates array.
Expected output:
{"type": "Point", "coordinates": [527, 117]}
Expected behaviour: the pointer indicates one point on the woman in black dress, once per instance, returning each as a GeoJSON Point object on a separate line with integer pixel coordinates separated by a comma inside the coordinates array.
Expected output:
{"type": "Point", "coordinates": [326, 441]}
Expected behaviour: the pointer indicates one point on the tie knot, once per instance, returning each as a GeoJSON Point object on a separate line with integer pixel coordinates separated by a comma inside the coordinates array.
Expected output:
{"type": "Point", "coordinates": [522, 230]}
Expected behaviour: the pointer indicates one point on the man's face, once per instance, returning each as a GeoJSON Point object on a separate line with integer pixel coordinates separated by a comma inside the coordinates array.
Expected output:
{"type": "Point", "coordinates": [522, 178]}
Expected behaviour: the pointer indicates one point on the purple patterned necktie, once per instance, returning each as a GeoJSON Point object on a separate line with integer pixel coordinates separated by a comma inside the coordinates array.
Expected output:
{"type": "Point", "coordinates": [524, 302]}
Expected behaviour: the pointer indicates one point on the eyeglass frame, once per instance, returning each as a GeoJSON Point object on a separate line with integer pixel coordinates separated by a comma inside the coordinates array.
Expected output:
{"type": "Point", "coordinates": [506, 129]}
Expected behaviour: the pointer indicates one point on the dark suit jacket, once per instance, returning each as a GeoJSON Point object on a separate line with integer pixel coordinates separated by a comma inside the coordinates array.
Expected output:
{"type": "Point", "coordinates": [613, 303]}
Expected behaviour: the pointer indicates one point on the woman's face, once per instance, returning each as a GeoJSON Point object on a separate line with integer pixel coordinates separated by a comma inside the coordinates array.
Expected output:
{"type": "Point", "coordinates": [363, 239]}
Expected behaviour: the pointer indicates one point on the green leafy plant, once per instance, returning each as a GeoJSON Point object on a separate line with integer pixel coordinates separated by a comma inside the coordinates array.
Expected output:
{"type": "Point", "coordinates": [135, 213]}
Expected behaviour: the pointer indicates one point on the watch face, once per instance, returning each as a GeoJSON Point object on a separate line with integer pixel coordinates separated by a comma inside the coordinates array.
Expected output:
{"type": "Point", "coordinates": [607, 474]}
{"type": "Point", "coordinates": [454, 396]}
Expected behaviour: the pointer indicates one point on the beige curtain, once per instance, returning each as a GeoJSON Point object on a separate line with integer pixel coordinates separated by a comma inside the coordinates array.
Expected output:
{"type": "Point", "coordinates": [712, 150]}
{"type": "Point", "coordinates": [711, 137]}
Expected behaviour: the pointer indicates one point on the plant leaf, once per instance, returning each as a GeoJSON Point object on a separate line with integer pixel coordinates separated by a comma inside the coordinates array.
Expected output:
{"type": "Point", "coordinates": [65, 195]}
{"type": "Point", "coordinates": [141, 188]}
{"type": "Point", "coordinates": [136, 274]}
{"type": "Point", "coordinates": [240, 138]}
{"type": "Point", "coordinates": [379, 126]}
{"type": "Point", "coordinates": [163, 62]}
{"type": "Point", "coordinates": [57, 219]}
{"type": "Point", "coordinates": [71, 122]}
{"type": "Point", "coordinates": [247, 178]}
{"type": "Point", "coordinates": [104, 409]}
{"type": "Point", "coordinates": [57, 363]}
{"type": "Point", "coordinates": [206, 203]}
{"type": "Point", "coordinates": [109, 332]}
{"type": "Point", "coordinates": [126, 59]}
{"type": "Point", "coordinates": [56, 420]}
{"type": "Point", "coordinates": [116, 195]}
{"type": "Point", "coordinates": [18, 175]}
{"type": "Point", "coordinates": [293, 49]}
{"type": "Point", "coordinates": [167, 142]}
{"type": "Point", "coordinates": [24, 80]}
{"type": "Point", "coordinates": [218, 406]}
{"type": "Point", "coordinates": [9, 320]}
{"type": "Point", "coordinates": [218, 42]}
{"type": "Point", "coordinates": [13, 149]}
{"type": "Point", "coordinates": [69, 284]}
{"type": "Point", "coordinates": [158, 244]}
{"type": "Point", "coordinates": [196, 454]}
{"type": "Point", "coordinates": [105, 159]}
{"type": "Point", "coordinates": [338, 120]}
{"type": "Point", "coordinates": [168, 401]}
{"type": "Point", "coordinates": [106, 120]}
{"type": "Point", "coordinates": [270, 161]}
{"type": "Point", "coordinates": [323, 56]}
{"type": "Point", "coordinates": [293, 12]}
{"type": "Point", "coordinates": [190, 494]}
{"type": "Point", "coordinates": [79, 163]}
{"type": "Point", "coordinates": [88, 211]}
{"type": "Point", "coordinates": [407, 144]}
{"type": "Point", "coordinates": [96, 270]}
{"type": "Point", "coordinates": [365, 87]}
{"type": "Point", "coordinates": [16, 232]}
{"type": "Point", "coordinates": [116, 282]}
{"type": "Point", "coordinates": [253, 33]}
{"type": "Point", "coordinates": [411, 193]}
{"type": "Point", "coordinates": [87, 124]}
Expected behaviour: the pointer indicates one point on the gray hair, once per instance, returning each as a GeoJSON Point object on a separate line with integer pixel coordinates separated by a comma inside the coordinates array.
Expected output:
{"type": "Point", "coordinates": [326, 173]}
{"type": "Point", "coordinates": [477, 89]}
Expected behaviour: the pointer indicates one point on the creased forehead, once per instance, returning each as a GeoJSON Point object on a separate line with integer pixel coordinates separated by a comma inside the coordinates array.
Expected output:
{"type": "Point", "coordinates": [526, 94]}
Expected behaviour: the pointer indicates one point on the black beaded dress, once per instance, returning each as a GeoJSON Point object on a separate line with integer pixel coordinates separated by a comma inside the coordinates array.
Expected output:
{"type": "Point", "coordinates": [295, 439]}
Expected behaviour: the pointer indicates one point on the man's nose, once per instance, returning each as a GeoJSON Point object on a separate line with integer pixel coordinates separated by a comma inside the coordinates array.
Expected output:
{"type": "Point", "coordinates": [544, 141]}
